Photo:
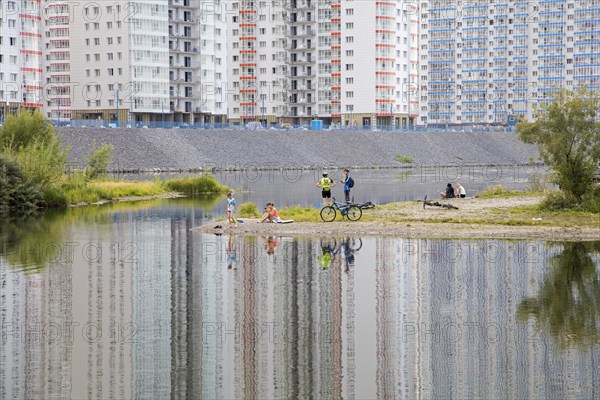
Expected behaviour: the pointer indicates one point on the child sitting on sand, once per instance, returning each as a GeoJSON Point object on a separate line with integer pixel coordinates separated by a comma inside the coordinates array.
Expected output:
{"type": "Point", "coordinates": [270, 214]}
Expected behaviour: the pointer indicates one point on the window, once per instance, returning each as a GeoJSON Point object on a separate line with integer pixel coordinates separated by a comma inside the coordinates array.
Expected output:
{"type": "Point", "coordinates": [349, 39]}
{"type": "Point", "coordinates": [349, 67]}
{"type": "Point", "coordinates": [350, 11]}
{"type": "Point", "coordinates": [349, 53]}
{"type": "Point", "coordinates": [349, 95]}
{"type": "Point", "coordinates": [349, 25]}
{"type": "Point", "coordinates": [350, 81]}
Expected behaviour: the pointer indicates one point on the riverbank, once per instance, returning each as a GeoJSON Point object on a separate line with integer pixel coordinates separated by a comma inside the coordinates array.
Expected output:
{"type": "Point", "coordinates": [507, 218]}
{"type": "Point", "coordinates": [76, 191]}
{"type": "Point", "coordinates": [183, 150]}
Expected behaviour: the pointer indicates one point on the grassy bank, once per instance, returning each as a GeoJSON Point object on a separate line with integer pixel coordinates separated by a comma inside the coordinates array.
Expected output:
{"type": "Point", "coordinates": [495, 206]}
{"type": "Point", "coordinates": [76, 190]}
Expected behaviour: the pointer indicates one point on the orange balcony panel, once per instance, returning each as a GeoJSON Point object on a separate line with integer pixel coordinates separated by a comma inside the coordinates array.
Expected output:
{"type": "Point", "coordinates": [385, 17]}
{"type": "Point", "coordinates": [338, 47]}
{"type": "Point", "coordinates": [384, 115]}
{"type": "Point", "coordinates": [336, 88]}
{"type": "Point", "coordinates": [335, 102]}
{"type": "Point", "coordinates": [385, 87]}
{"type": "Point", "coordinates": [29, 16]}
{"type": "Point", "coordinates": [27, 69]}
{"type": "Point", "coordinates": [385, 31]}
{"type": "Point", "coordinates": [29, 34]}
{"type": "Point", "coordinates": [384, 45]}
{"type": "Point", "coordinates": [247, 104]}
{"type": "Point", "coordinates": [336, 5]}
{"type": "Point", "coordinates": [384, 100]}
{"type": "Point", "coordinates": [247, 78]}
{"type": "Point", "coordinates": [247, 25]}
{"type": "Point", "coordinates": [384, 59]}
{"type": "Point", "coordinates": [336, 115]}
{"type": "Point", "coordinates": [385, 3]}
{"type": "Point", "coordinates": [34, 52]}
{"type": "Point", "coordinates": [247, 11]}
{"type": "Point", "coordinates": [336, 20]}
{"type": "Point", "coordinates": [247, 90]}
{"type": "Point", "coordinates": [246, 38]}
{"type": "Point", "coordinates": [336, 33]}
{"type": "Point", "coordinates": [32, 105]}
{"type": "Point", "coordinates": [247, 51]}
{"type": "Point", "coordinates": [248, 65]}
{"type": "Point", "coordinates": [336, 61]}
{"type": "Point", "coordinates": [336, 74]}
{"type": "Point", "coordinates": [384, 73]}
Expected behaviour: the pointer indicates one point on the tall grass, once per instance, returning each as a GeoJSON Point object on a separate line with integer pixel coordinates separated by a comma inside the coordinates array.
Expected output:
{"type": "Point", "coordinates": [205, 184]}
{"type": "Point", "coordinates": [249, 210]}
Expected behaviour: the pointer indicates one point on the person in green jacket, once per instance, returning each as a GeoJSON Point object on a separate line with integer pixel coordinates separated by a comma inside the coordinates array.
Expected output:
{"type": "Point", "coordinates": [325, 183]}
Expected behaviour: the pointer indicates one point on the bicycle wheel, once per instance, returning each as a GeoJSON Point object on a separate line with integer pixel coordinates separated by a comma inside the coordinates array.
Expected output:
{"type": "Point", "coordinates": [328, 244]}
{"type": "Point", "coordinates": [355, 244]}
{"type": "Point", "coordinates": [328, 213]}
{"type": "Point", "coordinates": [354, 213]}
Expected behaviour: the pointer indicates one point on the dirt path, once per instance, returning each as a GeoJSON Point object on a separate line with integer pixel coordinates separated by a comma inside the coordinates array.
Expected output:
{"type": "Point", "coordinates": [410, 220]}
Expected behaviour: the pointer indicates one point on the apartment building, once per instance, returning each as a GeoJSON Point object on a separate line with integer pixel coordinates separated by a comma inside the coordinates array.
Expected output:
{"type": "Point", "coordinates": [342, 62]}
{"type": "Point", "coordinates": [486, 63]}
{"type": "Point", "coordinates": [144, 62]}
{"type": "Point", "coordinates": [57, 91]}
{"type": "Point", "coordinates": [10, 59]}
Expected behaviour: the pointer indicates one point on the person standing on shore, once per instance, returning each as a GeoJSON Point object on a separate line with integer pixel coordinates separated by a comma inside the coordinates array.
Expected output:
{"type": "Point", "coordinates": [325, 183]}
{"type": "Point", "coordinates": [348, 184]}
{"type": "Point", "coordinates": [231, 209]}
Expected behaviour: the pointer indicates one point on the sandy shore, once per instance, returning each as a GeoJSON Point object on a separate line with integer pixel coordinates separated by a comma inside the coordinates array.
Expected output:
{"type": "Point", "coordinates": [410, 220]}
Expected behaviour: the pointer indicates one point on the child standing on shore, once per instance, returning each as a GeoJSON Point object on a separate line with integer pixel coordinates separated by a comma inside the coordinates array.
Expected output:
{"type": "Point", "coordinates": [231, 209]}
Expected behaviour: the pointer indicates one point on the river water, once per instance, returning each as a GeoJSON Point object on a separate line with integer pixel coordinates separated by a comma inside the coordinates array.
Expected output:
{"type": "Point", "coordinates": [125, 301]}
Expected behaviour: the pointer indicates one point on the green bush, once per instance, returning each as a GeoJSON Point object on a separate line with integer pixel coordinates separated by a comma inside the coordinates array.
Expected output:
{"type": "Point", "coordinates": [43, 162]}
{"type": "Point", "coordinates": [562, 201]}
{"type": "Point", "coordinates": [24, 128]}
{"type": "Point", "coordinates": [98, 161]}
{"type": "Point", "coordinates": [249, 210]}
{"type": "Point", "coordinates": [196, 185]}
{"type": "Point", "coordinates": [404, 159]}
{"type": "Point", "coordinates": [16, 195]}
{"type": "Point", "coordinates": [54, 197]}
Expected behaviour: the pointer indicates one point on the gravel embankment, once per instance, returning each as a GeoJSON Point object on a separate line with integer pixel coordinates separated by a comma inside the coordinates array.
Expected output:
{"type": "Point", "coordinates": [183, 149]}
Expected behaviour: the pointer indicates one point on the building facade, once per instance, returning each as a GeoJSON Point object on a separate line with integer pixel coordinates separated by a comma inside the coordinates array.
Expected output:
{"type": "Point", "coordinates": [485, 63]}
{"type": "Point", "coordinates": [343, 62]}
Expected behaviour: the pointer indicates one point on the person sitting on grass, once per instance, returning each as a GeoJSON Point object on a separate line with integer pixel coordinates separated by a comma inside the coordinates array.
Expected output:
{"type": "Point", "coordinates": [270, 214]}
{"type": "Point", "coordinates": [461, 193]}
{"type": "Point", "coordinates": [449, 193]}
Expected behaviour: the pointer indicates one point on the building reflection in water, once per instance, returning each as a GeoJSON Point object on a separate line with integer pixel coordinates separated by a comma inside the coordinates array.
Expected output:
{"type": "Point", "coordinates": [169, 315]}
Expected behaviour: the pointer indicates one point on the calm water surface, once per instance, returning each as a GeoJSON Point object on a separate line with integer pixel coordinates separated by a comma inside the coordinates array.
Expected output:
{"type": "Point", "coordinates": [125, 301]}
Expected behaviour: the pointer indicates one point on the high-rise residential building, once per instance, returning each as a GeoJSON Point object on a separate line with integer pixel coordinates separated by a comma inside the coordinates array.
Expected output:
{"type": "Point", "coordinates": [143, 61]}
{"type": "Point", "coordinates": [11, 78]}
{"type": "Point", "coordinates": [343, 62]}
{"type": "Point", "coordinates": [487, 62]}
{"type": "Point", "coordinates": [57, 91]}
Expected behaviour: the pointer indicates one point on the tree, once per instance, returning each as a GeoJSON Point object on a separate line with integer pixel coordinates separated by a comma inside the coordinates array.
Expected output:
{"type": "Point", "coordinates": [98, 161]}
{"type": "Point", "coordinates": [567, 133]}
{"type": "Point", "coordinates": [568, 303]}
{"type": "Point", "coordinates": [24, 128]}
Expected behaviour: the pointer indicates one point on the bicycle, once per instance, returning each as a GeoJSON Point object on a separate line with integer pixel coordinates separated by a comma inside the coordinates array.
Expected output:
{"type": "Point", "coordinates": [351, 211]}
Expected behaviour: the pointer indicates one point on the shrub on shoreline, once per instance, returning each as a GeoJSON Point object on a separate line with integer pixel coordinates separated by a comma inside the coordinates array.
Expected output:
{"type": "Point", "coordinates": [204, 184]}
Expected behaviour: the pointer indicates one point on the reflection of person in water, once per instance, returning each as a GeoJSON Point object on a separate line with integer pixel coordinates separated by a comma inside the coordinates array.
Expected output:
{"type": "Point", "coordinates": [271, 244]}
{"type": "Point", "coordinates": [231, 256]}
{"type": "Point", "coordinates": [348, 254]}
{"type": "Point", "coordinates": [327, 247]}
